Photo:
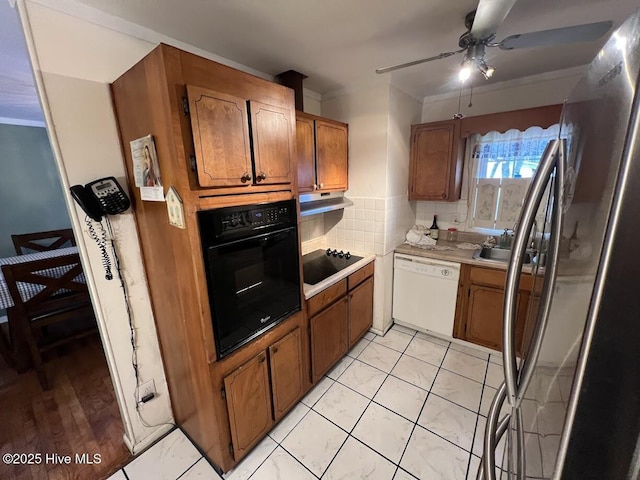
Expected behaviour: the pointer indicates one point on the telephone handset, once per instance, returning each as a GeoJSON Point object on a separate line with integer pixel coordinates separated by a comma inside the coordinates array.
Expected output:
{"type": "Point", "coordinates": [101, 197]}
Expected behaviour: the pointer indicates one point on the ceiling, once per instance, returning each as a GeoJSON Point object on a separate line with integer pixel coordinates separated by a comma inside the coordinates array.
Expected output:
{"type": "Point", "coordinates": [18, 98]}
{"type": "Point", "coordinates": [339, 43]}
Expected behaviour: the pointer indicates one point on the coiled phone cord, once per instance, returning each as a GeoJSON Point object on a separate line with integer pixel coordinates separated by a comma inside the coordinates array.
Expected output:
{"type": "Point", "coordinates": [101, 240]}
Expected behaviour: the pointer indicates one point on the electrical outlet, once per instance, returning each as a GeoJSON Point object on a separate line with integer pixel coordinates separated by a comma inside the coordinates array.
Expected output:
{"type": "Point", "coordinates": [147, 389]}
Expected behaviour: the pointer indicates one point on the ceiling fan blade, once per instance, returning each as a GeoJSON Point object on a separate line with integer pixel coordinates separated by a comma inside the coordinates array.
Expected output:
{"type": "Point", "coordinates": [489, 16]}
{"type": "Point", "coordinates": [557, 36]}
{"type": "Point", "coordinates": [417, 62]}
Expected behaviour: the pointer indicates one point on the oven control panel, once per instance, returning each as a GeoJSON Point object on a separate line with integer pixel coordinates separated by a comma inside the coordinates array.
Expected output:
{"type": "Point", "coordinates": [254, 218]}
{"type": "Point", "coordinates": [228, 223]}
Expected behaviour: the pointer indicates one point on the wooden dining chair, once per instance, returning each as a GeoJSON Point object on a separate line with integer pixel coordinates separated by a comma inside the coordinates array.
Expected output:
{"type": "Point", "coordinates": [47, 292]}
{"type": "Point", "coordinates": [5, 347]}
{"type": "Point", "coordinates": [43, 241]}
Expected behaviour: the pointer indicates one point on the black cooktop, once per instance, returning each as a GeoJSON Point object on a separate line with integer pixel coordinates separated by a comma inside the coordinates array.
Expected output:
{"type": "Point", "coordinates": [321, 264]}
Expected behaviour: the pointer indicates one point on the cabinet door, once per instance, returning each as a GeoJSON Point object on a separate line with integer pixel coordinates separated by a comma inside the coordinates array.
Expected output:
{"type": "Point", "coordinates": [328, 337]}
{"type": "Point", "coordinates": [221, 138]}
{"type": "Point", "coordinates": [332, 153]}
{"type": "Point", "coordinates": [360, 310]}
{"type": "Point", "coordinates": [306, 154]}
{"type": "Point", "coordinates": [285, 360]}
{"type": "Point", "coordinates": [249, 404]}
{"type": "Point", "coordinates": [433, 173]}
{"type": "Point", "coordinates": [272, 135]}
{"type": "Point", "coordinates": [484, 316]}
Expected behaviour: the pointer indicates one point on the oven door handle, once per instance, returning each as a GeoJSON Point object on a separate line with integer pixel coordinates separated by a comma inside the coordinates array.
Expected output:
{"type": "Point", "coordinates": [262, 237]}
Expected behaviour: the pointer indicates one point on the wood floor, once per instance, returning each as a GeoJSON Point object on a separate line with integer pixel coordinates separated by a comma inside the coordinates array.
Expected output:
{"type": "Point", "coordinates": [78, 415]}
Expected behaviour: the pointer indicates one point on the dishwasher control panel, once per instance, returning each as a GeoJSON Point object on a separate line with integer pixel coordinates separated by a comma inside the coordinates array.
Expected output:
{"type": "Point", "coordinates": [424, 266]}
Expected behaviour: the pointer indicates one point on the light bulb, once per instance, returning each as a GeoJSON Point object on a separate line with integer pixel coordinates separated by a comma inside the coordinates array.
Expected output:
{"type": "Point", "coordinates": [486, 70]}
{"type": "Point", "coordinates": [465, 73]}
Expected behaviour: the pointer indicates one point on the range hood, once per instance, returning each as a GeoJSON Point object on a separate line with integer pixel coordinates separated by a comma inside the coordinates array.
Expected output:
{"type": "Point", "coordinates": [314, 203]}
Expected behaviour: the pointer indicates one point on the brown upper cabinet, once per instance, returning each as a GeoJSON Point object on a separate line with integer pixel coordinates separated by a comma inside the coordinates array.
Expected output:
{"type": "Point", "coordinates": [323, 152]}
{"type": "Point", "coordinates": [224, 130]}
{"type": "Point", "coordinates": [437, 149]}
{"type": "Point", "coordinates": [435, 170]}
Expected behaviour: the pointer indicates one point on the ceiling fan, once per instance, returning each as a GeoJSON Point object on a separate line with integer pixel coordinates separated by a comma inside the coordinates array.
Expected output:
{"type": "Point", "coordinates": [482, 25]}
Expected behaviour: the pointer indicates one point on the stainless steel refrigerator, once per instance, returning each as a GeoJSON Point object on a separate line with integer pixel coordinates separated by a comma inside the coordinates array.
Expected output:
{"type": "Point", "coordinates": [570, 407]}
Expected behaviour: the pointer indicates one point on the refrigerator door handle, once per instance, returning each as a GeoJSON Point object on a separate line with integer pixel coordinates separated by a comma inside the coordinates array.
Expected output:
{"type": "Point", "coordinates": [521, 466]}
{"type": "Point", "coordinates": [492, 435]}
{"type": "Point", "coordinates": [551, 271]}
{"type": "Point", "coordinates": [532, 201]}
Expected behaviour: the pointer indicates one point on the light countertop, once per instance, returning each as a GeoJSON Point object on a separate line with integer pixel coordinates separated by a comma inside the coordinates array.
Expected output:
{"type": "Point", "coordinates": [311, 290]}
{"type": "Point", "coordinates": [456, 255]}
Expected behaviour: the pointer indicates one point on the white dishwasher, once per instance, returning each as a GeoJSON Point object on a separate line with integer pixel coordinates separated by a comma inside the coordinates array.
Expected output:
{"type": "Point", "coordinates": [425, 293]}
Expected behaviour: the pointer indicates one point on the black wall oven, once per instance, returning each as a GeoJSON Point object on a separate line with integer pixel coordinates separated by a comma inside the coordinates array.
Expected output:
{"type": "Point", "coordinates": [253, 274]}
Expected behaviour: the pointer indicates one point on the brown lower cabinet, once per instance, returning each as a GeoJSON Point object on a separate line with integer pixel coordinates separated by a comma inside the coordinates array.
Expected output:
{"type": "Point", "coordinates": [479, 313]}
{"type": "Point", "coordinates": [254, 402]}
{"type": "Point", "coordinates": [285, 362]}
{"type": "Point", "coordinates": [328, 337]}
{"type": "Point", "coordinates": [360, 310]}
{"type": "Point", "coordinates": [341, 320]}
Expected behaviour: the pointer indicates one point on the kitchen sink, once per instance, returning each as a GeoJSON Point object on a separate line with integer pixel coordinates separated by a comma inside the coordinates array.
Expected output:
{"type": "Point", "coordinates": [500, 254]}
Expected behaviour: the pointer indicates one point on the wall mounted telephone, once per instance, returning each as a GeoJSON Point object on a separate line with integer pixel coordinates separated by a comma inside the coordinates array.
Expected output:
{"type": "Point", "coordinates": [101, 197]}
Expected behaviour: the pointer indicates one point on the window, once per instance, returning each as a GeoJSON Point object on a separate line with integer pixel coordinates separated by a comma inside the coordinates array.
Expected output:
{"type": "Point", "coordinates": [502, 166]}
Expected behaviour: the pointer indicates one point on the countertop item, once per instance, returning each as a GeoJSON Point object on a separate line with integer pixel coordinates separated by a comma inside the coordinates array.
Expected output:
{"type": "Point", "coordinates": [311, 290]}
{"type": "Point", "coordinates": [455, 255]}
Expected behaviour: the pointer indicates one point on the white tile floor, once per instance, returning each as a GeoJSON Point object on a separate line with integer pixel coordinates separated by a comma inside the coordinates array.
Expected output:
{"type": "Point", "coordinates": [399, 407]}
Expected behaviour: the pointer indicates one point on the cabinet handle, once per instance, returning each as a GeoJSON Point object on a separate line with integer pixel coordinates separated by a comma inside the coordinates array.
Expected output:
{"type": "Point", "coordinates": [246, 177]}
{"type": "Point", "coordinates": [444, 195]}
{"type": "Point", "coordinates": [275, 350]}
{"type": "Point", "coordinates": [321, 185]}
{"type": "Point", "coordinates": [262, 359]}
{"type": "Point", "coordinates": [315, 186]}
{"type": "Point", "coordinates": [261, 176]}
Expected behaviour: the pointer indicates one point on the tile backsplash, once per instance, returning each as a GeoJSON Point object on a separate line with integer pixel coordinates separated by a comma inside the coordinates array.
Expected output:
{"type": "Point", "coordinates": [360, 228]}
{"type": "Point", "coordinates": [371, 225]}
{"type": "Point", "coordinates": [377, 225]}
{"type": "Point", "coordinates": [450, 214]}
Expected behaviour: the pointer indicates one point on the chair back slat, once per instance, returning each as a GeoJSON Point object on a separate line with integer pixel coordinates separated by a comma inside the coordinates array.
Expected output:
{"type": "Point", "coordinates": [43, 241]}
{"type": "Point", "coordinates": [46, 284]}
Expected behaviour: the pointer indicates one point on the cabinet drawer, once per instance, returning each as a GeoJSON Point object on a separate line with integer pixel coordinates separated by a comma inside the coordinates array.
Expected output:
{"type": "Point", "coordinates": [361, 275]}
{"type": "Point", "coordinates": [496, 278]}
{"type": "Point", "coordinates": [326, 297]}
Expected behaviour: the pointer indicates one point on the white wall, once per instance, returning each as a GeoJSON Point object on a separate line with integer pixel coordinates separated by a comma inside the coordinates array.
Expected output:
{"type": "Point", "coordinates": [312, 102]}
{"type": "Point", "coordinates": [534, 91]}
{"type": "Point", "coordinates": [404, 111]}
{"type": "Point", "coordinates": [91, 150]}
{"type": "Point", "coordinates": [70, 53]}
{"type": "Point", "coordinates": [366, 112]}
{"type": "Point", "coordinates": [379, 119]}
{"type": "Point", "coordinates": [78, 59]}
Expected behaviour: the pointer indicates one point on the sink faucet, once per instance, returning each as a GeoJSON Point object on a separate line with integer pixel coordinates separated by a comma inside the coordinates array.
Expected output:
{"type": "Point", "coordinates": [534, 235]}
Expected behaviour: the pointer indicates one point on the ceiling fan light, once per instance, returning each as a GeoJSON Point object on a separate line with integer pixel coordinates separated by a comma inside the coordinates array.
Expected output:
{"type": "Point", "coordinates": [465, 73]}
{"type": "Point", "coordinates": [486, 70]}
